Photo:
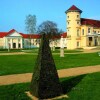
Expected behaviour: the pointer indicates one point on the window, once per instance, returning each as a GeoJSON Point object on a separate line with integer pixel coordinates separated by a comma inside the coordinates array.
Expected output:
{"type": "Point", "coordinates": [67, 22]}
{"type": "Point", "coordinates": [67, 16]}
{"type": "Point", "coordinates": [77, 16]}
{"type": "Point", "coordinates": [78, 44]}
{"type": "Point", "coordinates": [89, 30]}
{"type": "Point", "coordinates": [78, 22]}
{"type": "Point", "coordinates": [78, 33]}
{"type": "Point", "coordinates": [82, 31]}
{"type": "Point", "coordinates": [98, 31]}
{"type": "Point", "coordinates": [94, 31]}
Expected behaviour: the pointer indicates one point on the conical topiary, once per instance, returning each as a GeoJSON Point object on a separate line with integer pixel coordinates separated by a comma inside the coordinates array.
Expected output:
{"type": "Point", "coordinates": [45, 82]}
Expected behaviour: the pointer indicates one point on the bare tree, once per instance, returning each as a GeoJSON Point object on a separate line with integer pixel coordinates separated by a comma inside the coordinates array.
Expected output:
{"type": "Point", "coordinates": [50, 29]}
{"type": "Point", "coordinates": [30, 23]}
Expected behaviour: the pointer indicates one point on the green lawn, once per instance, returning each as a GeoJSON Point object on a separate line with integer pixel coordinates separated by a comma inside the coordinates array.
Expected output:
{"type": "Point", "coordinates": [84, 87]}
{"type": "Point", "coordinates": [12, 64]}
{"type": "Point", "coordinates": [10, 51]}
{"type": "Point", "coordinates": [56, 51]}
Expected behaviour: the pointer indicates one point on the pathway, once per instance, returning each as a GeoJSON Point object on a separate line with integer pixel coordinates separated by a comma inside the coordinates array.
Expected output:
{"type": "Point", "coordinates": [26, 77]}
{"type": "Point", "coordinates": [20, 53]}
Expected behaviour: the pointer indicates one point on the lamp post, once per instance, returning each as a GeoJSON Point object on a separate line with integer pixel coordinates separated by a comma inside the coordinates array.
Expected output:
{"type": "Point", "coordinates": [61, 47]}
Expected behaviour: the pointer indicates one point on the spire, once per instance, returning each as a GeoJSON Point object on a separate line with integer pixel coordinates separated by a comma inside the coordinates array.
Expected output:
{"type": "Point", "coordinates": [73, 8]}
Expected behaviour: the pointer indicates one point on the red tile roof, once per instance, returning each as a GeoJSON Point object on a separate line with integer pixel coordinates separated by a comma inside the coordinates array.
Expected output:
{"type": "Point", "coordinates": [2, 34]}
{"type": "Point", "coordinates": [73, 8]}
{"type": "Point", "coordinates": [92, 22]}
{"type": "Point", "coordinates": [11, 31]}
{"type": "Point", "coordinates": [64, 34]}
{"type": "Point", "coordinates": [35, 36]}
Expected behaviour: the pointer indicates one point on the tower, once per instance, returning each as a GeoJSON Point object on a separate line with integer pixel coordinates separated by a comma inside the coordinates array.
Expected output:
{"type": "Point", "coordinates": [73, 21]}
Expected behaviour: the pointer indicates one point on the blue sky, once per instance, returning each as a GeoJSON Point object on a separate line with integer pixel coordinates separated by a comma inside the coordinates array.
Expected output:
{"type": "Point", "coordinates": [13, 12]}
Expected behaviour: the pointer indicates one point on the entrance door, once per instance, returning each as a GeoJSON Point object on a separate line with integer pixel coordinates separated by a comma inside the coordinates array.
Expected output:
{"type": "Point", "coordinates": [90, 41]}
{"type": "Point", "coordinates": [19, 45]}
{"type": "Point", "coordinates": [14, 45]}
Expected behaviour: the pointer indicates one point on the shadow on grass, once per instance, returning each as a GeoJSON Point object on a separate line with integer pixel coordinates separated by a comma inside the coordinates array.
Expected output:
{"type": "Point", "coordinates": [67, 85]}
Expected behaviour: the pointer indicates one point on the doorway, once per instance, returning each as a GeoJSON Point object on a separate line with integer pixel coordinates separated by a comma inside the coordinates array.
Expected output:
{"type": "Point", "coordinates": [14, 45]}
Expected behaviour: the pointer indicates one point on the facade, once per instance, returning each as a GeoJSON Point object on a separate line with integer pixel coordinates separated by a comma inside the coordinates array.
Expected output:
{"type": "Point", "coordinates": [16, 40]}
{"type": "Point", "coordinates": [81, 32]}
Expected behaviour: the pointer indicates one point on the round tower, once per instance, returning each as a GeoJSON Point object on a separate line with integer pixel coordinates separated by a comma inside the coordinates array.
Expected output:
{"type": "Point", "coordinates": [73, 21]}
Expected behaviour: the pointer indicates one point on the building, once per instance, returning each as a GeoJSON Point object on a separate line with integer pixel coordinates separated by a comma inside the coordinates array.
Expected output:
{"type": "Point", "coordinates": [81, 32]}
{"type": "Point", "coordinates": [16, 40]}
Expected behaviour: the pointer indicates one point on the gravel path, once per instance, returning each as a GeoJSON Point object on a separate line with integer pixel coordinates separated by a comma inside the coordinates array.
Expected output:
{"type": "Point", "coordinates": [26, 77]}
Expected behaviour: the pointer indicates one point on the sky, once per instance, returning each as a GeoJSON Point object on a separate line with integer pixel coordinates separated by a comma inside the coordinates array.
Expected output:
{"type": "Point", "coordinates": [13, 12]}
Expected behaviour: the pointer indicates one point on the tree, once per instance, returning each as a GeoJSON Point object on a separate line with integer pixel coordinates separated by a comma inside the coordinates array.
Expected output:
{"type": "Point", "coordinates": [30, 25]}
{"type": "Point", "coordinates": [45, 81]}
{"type": "Point", "coordinates": [50, 29]}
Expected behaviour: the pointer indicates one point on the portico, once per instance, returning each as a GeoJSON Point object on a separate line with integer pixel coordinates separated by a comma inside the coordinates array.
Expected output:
{"type": "Point", "coordinates": [14, 43]}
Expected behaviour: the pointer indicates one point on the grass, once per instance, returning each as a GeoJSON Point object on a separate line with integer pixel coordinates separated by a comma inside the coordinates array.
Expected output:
{"type": "Point", "coordinates": [10, 51]}
{"type": "Point", "coordinates": [83, 87]}
{"type": "Point", "coordinates": [14, 64]}
{"type": "Point", "coordinates": [35, 50]}
{"type": "Point", "coordinates": [67, 51]}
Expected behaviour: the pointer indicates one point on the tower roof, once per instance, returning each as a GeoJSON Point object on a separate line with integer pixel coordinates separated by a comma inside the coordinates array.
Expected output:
{"type": "Point", "coordinates": [73, 8]}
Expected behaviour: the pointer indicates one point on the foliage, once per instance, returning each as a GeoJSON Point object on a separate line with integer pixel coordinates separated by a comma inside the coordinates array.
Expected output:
{"type": "Point", "coordinates": [30, 24]}
{"type": "Point", "coordinates": [45, 81]}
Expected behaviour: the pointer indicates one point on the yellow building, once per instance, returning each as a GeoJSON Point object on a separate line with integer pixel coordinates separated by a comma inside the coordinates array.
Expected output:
{"type": "Point", "coordinates": [81, 32]}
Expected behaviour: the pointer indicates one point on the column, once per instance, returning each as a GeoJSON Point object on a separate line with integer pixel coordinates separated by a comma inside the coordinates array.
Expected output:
{"type": "Point", "coordinates": [99, 40]}
{"type": "Point", "coordinates": [17, 44]}
{"type": "Point", "coordinates": [11, 43]}
{"type": "Point", "coordinates": [93, 42]}
{"type": "Point", "coordinates": [6, 43]}
{"type": "Point", "coordinates": [21, 43]}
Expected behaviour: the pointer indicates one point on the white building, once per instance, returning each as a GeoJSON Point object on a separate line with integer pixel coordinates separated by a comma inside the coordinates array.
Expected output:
{"type": "Point", "coordinates": [16, 40]}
